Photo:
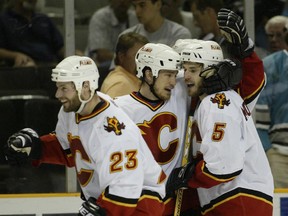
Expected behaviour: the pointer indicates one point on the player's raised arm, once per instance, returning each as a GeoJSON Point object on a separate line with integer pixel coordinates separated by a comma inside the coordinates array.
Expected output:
{"type": "Point", "coordinates": [233, 28]}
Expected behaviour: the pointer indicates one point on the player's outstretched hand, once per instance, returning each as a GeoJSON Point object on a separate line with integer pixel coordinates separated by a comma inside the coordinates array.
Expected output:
{"type": "Point", "coordinates": [90, 208]}
{"type": "Point", "coordinates": [178, 179]}
{"type": "Point", "coordinates": [234, 30]}
{"type": "Point", "coordinates": [223, 76]}
{"type": "Point", "coordinates": [23, 145]}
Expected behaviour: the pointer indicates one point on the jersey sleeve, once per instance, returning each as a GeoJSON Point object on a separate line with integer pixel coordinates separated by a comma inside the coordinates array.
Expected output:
{"type": "Point", "coordinates": [115, 205]}
{"type": "Point", "coordinates": [253, 80]}
{"type": "Point", "coordinates": [221, 145]}
{"type": "Point", "coordinates": [53, 153]}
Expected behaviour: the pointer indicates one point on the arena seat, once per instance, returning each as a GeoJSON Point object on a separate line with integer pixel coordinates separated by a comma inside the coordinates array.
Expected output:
{"type": "Point", "coordinates": [41, 114]}
{"type": "Point", "coordinates": [9, 124]}
{"type": "Point", "coordinates": [19, 78]}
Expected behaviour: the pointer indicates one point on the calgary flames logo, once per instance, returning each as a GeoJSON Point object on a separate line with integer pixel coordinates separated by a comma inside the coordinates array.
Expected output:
{"type": "Point", "coordinates": [114, 125]}
{"type": "Point", "coordinates": [220, 99]}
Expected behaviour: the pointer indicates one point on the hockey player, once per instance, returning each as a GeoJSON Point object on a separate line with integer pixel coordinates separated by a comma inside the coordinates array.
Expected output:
{"type": "Point", "coordinates": [115, 169]}
{"type": "Point", "coordinates": [229, 167]}
{"type": "Point", "coordinates": [160, 108]}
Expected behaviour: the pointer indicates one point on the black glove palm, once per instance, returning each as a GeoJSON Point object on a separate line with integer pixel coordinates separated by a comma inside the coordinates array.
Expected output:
{"type": "Point", "coordinates": [223, 76]}
{"type": "Point", "coordinates": [234, 30]}
{"type": "Point", "coordinates": [178, 179]}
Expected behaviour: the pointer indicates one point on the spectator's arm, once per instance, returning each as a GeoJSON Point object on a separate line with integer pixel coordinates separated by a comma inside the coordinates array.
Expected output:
{"type": "Point", "coordinates": [19, 59]}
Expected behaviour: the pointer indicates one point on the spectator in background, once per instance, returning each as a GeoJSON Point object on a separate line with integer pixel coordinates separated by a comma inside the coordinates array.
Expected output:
{"type": "Point", "coordinates": [205, 17]}
{"type": "Point", "coordinates": [123, 80]}
{"type": "Point", "coordinates": [204, 12]}
{"type": "Point", "coordinates": [264, 10]}
{"type": "Point", "coordinates": [275, 29]}
{"type": "Point", "coordinates": [105, 26]}
{"type": "Point", "coordinates": [28, 38]}
{"type": "Point", "coordinates": [285, 9]}
{"type": "Point", "coordinates": [155, 27]}
{"type": "Point", "coordinates": [272, 116]}
{"type": "Point", "coordinates": [172, 10]}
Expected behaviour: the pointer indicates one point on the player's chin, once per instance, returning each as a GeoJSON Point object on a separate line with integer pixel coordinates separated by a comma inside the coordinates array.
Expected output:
{"type": "Point", "coordinates": [192, 92]}
{"type": "Point", "coordinates": [165, 96]}
{"type": "Point", "coordinates": [68, 108]}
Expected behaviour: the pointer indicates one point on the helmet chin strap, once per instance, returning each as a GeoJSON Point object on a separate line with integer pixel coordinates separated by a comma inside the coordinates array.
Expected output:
{"type": "Point", "coordinates": [83, 103]}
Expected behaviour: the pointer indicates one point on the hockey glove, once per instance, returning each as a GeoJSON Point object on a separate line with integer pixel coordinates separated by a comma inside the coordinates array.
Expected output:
{"type": "Point", "coordinates": [178, 179]}
{"type": "Point", "coordinates": [234, 30]}
{"type": "Point", "coordinates": [90, 208]}
{"type": "Point", "coordinates": [23, 145]}
{"type": "Point", "coordinates": [223, 76]}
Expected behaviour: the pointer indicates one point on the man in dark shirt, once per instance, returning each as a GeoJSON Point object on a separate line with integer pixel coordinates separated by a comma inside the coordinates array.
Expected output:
{"type": "Point", "coordinates": [28, 38]}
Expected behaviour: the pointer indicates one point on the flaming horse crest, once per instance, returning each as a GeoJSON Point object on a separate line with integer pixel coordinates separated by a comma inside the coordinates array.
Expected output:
{"type": "Point", "coordinates": [220, 99]}
{"type": "Point", "coordinates": [114, 125]}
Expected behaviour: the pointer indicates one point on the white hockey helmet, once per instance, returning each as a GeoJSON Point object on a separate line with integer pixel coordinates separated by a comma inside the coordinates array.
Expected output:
{"type": "Point", "coordinates": [205, 52]}
{"type": "Point", "coordinates": [158, 57]}
{"type": "Point", "coordinates": [180, 44]}
{"type": "Point", "coordinates": [77, 69]}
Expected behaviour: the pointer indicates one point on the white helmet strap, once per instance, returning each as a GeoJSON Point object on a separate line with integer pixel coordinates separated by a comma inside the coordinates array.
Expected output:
{"type": "Point", "coordinates": [83, 102]}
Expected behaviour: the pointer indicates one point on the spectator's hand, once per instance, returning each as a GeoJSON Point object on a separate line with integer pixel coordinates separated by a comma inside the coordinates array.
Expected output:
{"type": "Point", "coordinates": [223, 76]}
{"type": "Point", "coordinates": [234, 30]}
{"type": "Point", "coordinates": [23, 145]}
{"type": "Point", "coordinates": [22, 60]}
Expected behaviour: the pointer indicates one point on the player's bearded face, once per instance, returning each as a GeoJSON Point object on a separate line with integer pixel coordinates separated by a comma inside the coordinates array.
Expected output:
{"type": "Point", "coordinates": [68, 96]}
{"type": "Point", "coordinates": [164, 83]}
{"type": "Point", "coordinates": [192, 78]}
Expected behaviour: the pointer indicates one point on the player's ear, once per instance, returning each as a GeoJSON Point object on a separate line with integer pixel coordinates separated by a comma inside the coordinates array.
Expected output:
{"type": "Point", "coordinates": [86, 85]}
{"type": "Point", "coordinates": [148, 76]}
{"type": "Point", "coordinates": [85, 92]}
{"type": "Point", "coordinates": [158, 4]}
{"type": "Point", "coordinates": [121, 57]}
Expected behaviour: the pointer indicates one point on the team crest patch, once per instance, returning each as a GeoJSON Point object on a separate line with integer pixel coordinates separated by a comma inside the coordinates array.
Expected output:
{"type": "Point", "coordinates": [114, 125]}
{"type": "Point", "coordinates": [220, 99]}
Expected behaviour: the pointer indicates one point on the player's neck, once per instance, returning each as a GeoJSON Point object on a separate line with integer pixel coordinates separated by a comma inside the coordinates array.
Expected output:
{"type": "Point", "coordinates": [201, 97]}
{"type": "Point", "coordinates": [146, 92]}
{"type": "Point", "coordinates": [90, 106]}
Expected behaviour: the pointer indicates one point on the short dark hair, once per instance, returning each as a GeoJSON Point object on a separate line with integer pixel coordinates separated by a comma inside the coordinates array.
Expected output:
{"type": "Point", "coordinates": [153, 1]}
{"type": "Point", "coordinates": [203, 4]}
{"type": "Point", "coordinates": [126, 41]}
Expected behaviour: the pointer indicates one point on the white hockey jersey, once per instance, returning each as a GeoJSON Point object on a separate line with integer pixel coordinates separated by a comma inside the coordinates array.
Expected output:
{"type": "Point", "coordinates": [234, 163]}
{"type": "Point", "coordinates": [162, 124]}
{"type": "Point", "coordinates": [109, 151]}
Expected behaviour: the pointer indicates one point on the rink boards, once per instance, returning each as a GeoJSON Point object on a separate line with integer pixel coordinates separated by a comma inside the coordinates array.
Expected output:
{"type": "Point", "coordinates": [68, 204]}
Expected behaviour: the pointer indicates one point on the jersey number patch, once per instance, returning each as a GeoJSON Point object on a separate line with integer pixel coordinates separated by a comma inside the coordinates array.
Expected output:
{"type": "Point", "coordinates": [117, 158]}
{"type": "Point", "coordinates": [129, 157]}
